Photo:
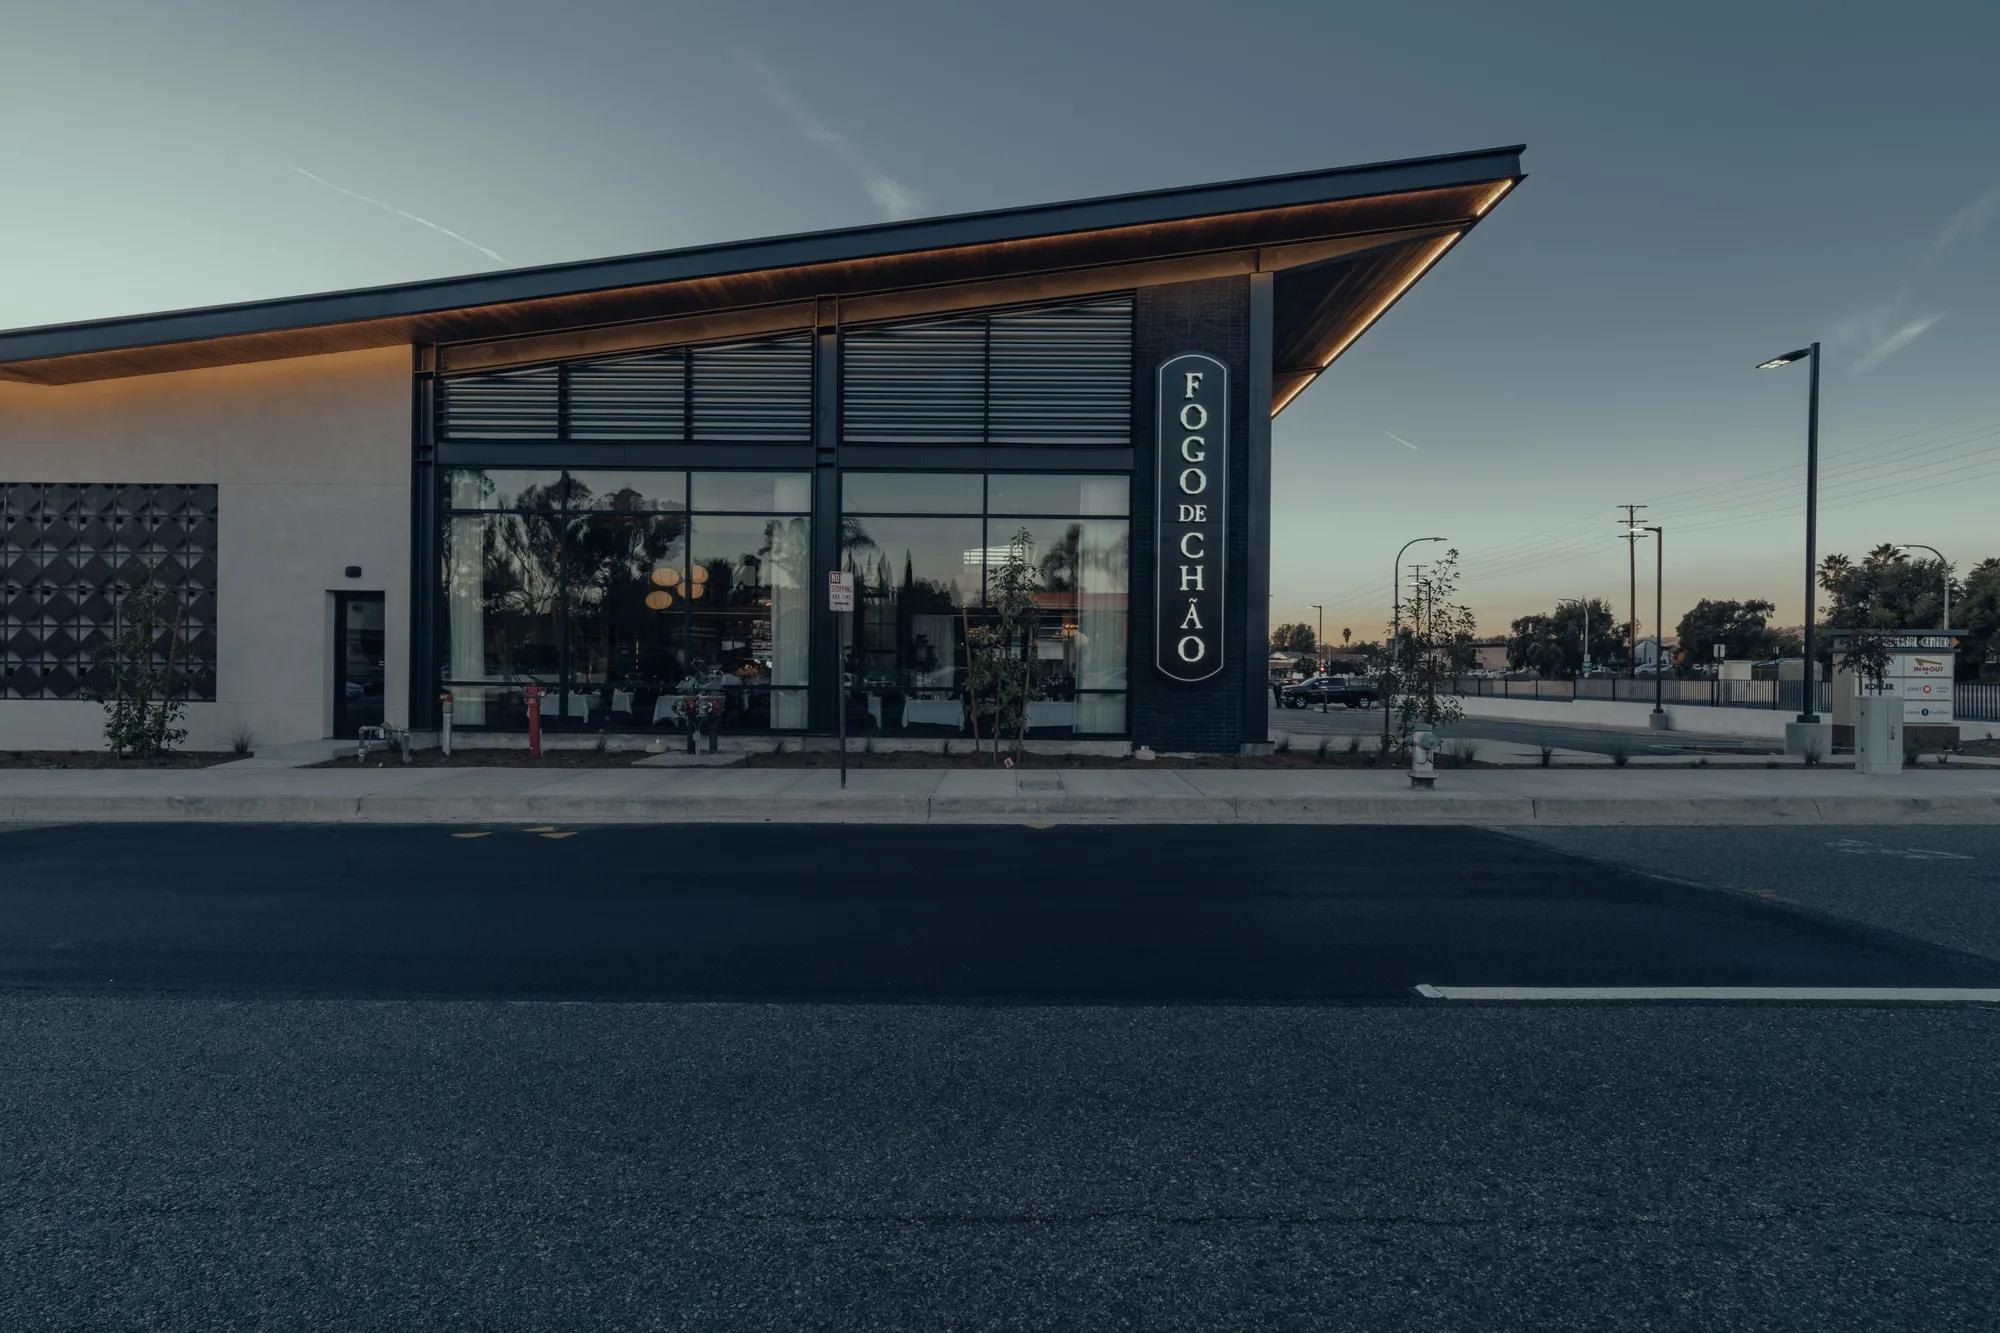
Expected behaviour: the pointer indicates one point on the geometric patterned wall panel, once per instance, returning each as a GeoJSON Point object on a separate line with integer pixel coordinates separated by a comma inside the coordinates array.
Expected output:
{"type": "Point", "coordinates": [68, 555]}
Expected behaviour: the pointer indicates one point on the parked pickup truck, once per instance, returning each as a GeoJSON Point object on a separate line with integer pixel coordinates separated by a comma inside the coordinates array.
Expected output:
{"type": "Point", "coordinates": [1348, 691]}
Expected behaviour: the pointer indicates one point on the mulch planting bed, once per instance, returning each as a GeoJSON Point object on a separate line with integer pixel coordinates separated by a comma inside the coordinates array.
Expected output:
{"type": "Point", "coordinates": [105, 759]}
{"type": "Point", "coordinates": [965, 759]}
{"type": "Point", "coordinates": [490, 758]}
{"type": "Point", "coordinates": [858, 759]}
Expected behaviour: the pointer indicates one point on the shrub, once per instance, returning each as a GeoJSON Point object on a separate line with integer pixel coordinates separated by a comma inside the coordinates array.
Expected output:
{"type": "Point", "coordinates": [1465, 752]}
{"type": "Point", "coordinates": [1546, 751]}
{"type": "Point", "coordinates": [1813, 754]}
{"type": "Point", "coordinates": [1354, 744]}
{"type": "Point", "coordinates": [244, 742]}
{"type": "Point", "coordinates": [1284, 745]}
{"type": "Point", "coordinates": [1325, 743]}
{"type": "Point", "coordinates": [1621, 751]}
{"type": "Point", "coordinates": [141, 713]}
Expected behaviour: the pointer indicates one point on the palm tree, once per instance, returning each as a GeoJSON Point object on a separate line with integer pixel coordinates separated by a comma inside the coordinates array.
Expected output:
{"type": "Point", "coordinates": [1834, 571]}
{"type": "Point", "coordinates": [1886, 554]}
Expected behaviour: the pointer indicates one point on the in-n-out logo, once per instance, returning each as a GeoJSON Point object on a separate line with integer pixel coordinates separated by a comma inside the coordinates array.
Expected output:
{"type": "Point", "coordinates": [1192, 504]}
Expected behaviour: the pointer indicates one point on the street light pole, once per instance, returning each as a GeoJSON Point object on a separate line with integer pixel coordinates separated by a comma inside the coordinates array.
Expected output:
{"type": "Point", "coordinates": [1319, 650]}
{"type": "Point", "coordinates": [1659, 718]}
{"type": "Point", "coordinates": [1943, 564]}
{"type": "Point", "coordinates": [1811, 683]}
{"type": "Point", "coordinates": [1396, 620]}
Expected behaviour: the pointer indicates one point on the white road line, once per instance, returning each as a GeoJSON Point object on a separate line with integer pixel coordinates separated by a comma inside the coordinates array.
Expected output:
{"type": "Point", "coordinates": [1912, 994]}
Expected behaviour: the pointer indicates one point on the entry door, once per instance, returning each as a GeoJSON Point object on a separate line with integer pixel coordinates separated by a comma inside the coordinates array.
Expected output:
{"type": "Point", "coordinates": [360, 675]}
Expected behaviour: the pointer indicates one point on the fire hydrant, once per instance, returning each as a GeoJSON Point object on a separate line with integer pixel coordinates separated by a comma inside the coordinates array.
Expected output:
{"type": "Point", "coordinates": [1423, 758]}
{"type": "Point", "coordinates": [533, 694]}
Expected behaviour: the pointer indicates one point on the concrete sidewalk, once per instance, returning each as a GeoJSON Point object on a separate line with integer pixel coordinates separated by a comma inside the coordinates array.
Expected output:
{"type": "Point", "coordinates": [474, 796]}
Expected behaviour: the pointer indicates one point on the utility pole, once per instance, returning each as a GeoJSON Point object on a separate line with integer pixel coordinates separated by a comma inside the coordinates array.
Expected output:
{"type": "Point", "coordinates": [1632, 585]}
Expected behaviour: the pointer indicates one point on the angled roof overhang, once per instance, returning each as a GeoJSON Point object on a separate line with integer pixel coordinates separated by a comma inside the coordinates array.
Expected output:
{"type": "Point", "coordinates": [1343, 245]}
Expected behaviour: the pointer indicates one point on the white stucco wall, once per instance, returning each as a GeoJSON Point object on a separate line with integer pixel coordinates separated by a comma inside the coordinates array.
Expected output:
{"type": "Point", "coordinates": [312, 460]}
{"type": "Point", "coordinates": [1757, 723]}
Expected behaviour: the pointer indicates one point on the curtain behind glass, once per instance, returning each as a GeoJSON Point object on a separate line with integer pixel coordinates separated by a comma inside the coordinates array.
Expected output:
{"type": "Point", "coordinates": [1103, 592]}
{"type": "Point", "coordinates": [465, 603]}
{"type": "Point", "coordinates": [789, 564]}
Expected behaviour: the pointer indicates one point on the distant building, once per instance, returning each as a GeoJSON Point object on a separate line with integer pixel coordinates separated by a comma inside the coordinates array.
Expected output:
{"type": "Point", "coordinates": [1490, 654]}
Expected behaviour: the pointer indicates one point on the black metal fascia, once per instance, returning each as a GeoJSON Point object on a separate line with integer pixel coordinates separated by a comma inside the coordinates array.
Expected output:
{"type": "Point", "coordinates": [851, 243]}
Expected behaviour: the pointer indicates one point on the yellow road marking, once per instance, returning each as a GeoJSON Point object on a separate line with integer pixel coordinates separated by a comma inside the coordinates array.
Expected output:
{"type": "Point", "coordinates": [483, 833]}
{"type": "Point", "coordinates": [546, 828]}
{"type": "Point", "coordinates": [570, 834]}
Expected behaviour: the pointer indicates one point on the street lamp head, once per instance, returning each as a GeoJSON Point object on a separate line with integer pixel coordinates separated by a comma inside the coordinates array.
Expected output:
{"type": "Point", "coordinates": [1785, 360]}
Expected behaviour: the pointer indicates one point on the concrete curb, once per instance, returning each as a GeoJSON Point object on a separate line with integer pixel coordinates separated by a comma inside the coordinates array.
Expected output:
{"type": "Point", "coordinates": [1408, 808]}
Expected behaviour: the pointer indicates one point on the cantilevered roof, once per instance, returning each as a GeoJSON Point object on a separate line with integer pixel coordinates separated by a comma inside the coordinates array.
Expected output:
{"type": "Point", "coordinates": [1343, 245]}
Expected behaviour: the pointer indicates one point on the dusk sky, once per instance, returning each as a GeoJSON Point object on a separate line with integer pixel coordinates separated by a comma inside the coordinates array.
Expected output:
{"type": "Point", "coordinates": [1709, 185]}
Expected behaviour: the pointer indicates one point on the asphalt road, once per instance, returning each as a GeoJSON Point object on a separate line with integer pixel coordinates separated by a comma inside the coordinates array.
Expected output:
{"type": "Point", "coordinates": [371, 1078]}
{"type": "Point", "coordinates": [1367, 722]}
{"type": "Point", "coordinates": [874, 912]}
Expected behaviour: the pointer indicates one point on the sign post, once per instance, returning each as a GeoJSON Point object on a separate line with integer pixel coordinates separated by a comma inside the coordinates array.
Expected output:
{"type": "Point", "coordinates": [840, 600]}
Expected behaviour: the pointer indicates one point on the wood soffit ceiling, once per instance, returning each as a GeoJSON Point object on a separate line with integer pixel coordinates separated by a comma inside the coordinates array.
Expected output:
{"type": "Point", "coordinates": [1346, 253]}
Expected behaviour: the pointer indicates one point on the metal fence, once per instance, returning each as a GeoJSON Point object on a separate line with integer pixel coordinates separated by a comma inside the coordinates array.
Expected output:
{"type": "Point", "coordinates": [1773, 694]}
{"type": "Point", "coordinates": [1972, 701]}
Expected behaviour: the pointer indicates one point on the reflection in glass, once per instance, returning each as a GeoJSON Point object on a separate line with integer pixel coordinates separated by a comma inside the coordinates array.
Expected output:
{"type": "Point", "coordinates": [753, 492]}
{"type": "Point", "coordinates": [911, 492]}
{"type": "Point", "coordinates": [628, 492]}
{"type": "Point", "coordinates": [1083, 567]}
{"type": "Point", "coordinates": [500, 576]}
{"type": "Point", "coordinates": [1020, 493]}
{"type": "Point", "coordinates": [915, 577]}
{"type": "Point", "coordinates": [502, 488]}
{"type": "Point", "coordinates": [747, 590]}
{"type": "Point", "coordinates": [625, 631]}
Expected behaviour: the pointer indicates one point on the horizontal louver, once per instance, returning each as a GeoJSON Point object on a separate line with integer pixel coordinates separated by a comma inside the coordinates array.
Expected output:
{"type": "Point", "coordinates": [748, 391]}
{"type": "Point", "coordinates": [1044, 375]}
{"type": "Point", "coordinates": [629, 397]}
{"type": "Point", "coordinates": [1062, 376]}
{"type": "Point", "coordinates": [915, 383]}
{"type": "Point", "coordinates": [500, 405]}
{"type": "Point", "coordinates": [754, 391]}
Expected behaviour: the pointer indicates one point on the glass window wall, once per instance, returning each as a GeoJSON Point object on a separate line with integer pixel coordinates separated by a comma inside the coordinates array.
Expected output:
{"type": "Point", "coordinates": [922, 578]}
{"type": "Point", "coordinates": [623, 607]}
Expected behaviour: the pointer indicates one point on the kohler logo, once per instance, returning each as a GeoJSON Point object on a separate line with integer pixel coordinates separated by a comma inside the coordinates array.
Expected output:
{"type": "Point", "coordinates": [1192, 467]}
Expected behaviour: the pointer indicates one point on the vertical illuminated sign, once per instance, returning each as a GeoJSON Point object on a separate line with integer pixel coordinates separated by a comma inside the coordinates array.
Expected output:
{"type": "Point", "coordinates": [1192, 508]}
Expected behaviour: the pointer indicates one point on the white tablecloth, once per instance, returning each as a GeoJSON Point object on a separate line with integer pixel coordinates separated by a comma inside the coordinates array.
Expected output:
{"type": "Point", "coordinates": [1051, 713]}
{"type": "Point", "coordinates": [934, 713]}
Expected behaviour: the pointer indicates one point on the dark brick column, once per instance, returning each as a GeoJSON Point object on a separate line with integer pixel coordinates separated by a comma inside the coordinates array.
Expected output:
{"type": "Point", "coordinates": [1212, 317]}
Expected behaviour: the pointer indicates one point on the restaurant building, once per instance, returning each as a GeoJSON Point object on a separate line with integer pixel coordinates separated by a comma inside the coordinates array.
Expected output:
{"type": "Point", "coordinates": [626, 481]}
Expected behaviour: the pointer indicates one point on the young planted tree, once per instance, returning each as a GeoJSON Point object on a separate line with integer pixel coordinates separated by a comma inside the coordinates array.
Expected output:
{"type": "Point", "coordinates": [1868, 656]}
{"type": "Point", "coordinates": [142, 707]}
{"type": "Point", "coordinates": [1437, 638]}
{"type": "Point", "coordinates": [1002, 651]}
